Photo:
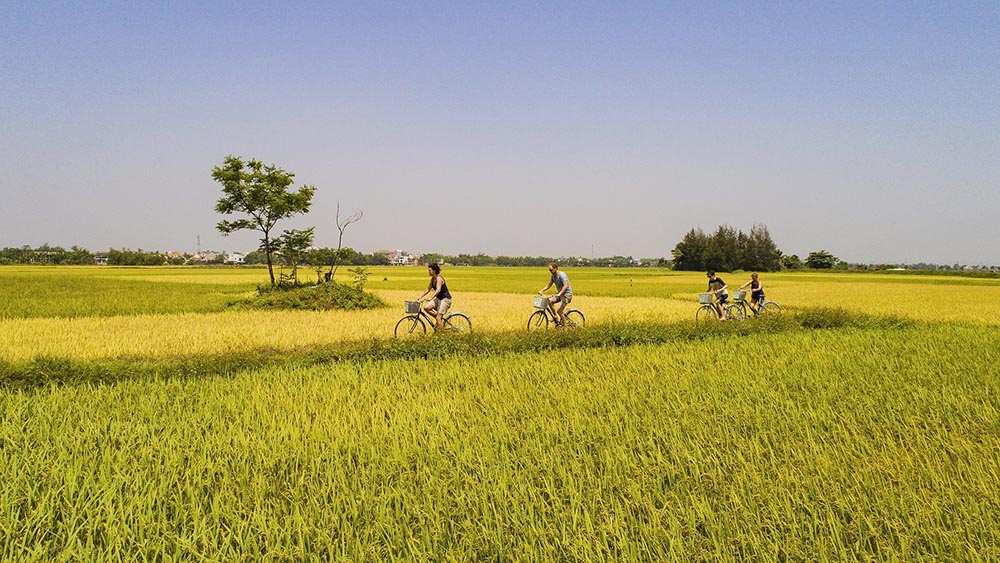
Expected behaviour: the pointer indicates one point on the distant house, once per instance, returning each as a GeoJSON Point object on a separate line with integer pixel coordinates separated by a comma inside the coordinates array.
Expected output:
{"type": "Point", "coordinates": [399, 257]}
{"type": "Point", "coordinates": [101, 257]}
{"type": "Point", "coordinates": [207, 256]}
{"type": "Point", "coordinates": [235, 258]}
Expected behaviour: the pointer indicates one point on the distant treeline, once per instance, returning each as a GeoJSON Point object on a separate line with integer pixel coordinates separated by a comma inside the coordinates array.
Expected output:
{"type": "Point", "coordinates": [325, 257]}
{"type": "Point", "coordinates": [725, 250]}
{"type": "Point", "coordinates": [541, 261]}
{"type": "Point", "coordinates": [77, 256]}
{"type": "Point", "coordinates": [46, 254]}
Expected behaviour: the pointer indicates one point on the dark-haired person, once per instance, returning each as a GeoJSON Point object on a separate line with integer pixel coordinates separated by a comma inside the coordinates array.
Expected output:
{"type": "Point", "coordinates": [756, 292]}
{"type": "Point", "coordinates": [718, 287]}
{"type": "Point", "coordinates": [564, 293]}
{"type": "Point", "coordinates": [439, 305]}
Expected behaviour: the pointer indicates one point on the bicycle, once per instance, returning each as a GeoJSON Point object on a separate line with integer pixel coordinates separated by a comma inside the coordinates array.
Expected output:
{"type": "Point", "coordinates": [416, 320]}
{"type": "Point", "coordinates": [707, 311]}
{"type": "Point", "coordinates": [738, 310]}
{"type": "Point", "coordinates": [540, 319]}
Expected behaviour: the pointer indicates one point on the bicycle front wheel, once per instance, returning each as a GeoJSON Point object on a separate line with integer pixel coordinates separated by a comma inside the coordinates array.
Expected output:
{"type": "Point", "coordinates": [410, 326]}
{"type": "Point", "coordinates": [736, 312]}
{"type": "Point", "coordinates": [574, 318]}
{"type": "Point", "coordinates": [457, 322]}
{"type": "Point", "coordinates": [706, 313]}
{"type": "Point", "coordinates": [538, 321]}
{"type": "Point", "coordinates": [769, 308]}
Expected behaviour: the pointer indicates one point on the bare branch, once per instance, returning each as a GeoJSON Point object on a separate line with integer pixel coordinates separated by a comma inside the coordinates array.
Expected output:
{"type": "Point", "coordinates": [342, 225]}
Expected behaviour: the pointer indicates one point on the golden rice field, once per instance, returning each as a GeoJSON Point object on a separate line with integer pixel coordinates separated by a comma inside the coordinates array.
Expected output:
{"type": "Point", "coordinates": [505, 304]}
{"type": "Point", "coordinates": [874, 444]}
{"type": "Point", "coordinates": [236, 331]}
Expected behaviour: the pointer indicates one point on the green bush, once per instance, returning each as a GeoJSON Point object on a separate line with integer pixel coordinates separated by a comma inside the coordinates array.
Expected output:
{"type": "Point", "coordinates": [321, 297]}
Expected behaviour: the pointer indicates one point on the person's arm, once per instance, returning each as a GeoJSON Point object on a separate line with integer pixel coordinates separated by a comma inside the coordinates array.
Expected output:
{"type": "Point", "coordinates": [746, 284]}
{"type": "Point", "coordinates": [547, 286]}
{"type": "Point", "coordinates": [722, 286]}
{"type": "Point", "coordinates": [430, 286]}
{"type": "Point", "coordinates": [438, 281]}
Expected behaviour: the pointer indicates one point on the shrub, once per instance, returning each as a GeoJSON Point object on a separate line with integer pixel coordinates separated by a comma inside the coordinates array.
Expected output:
{"type": "Point", "coordinates": [321, 297]}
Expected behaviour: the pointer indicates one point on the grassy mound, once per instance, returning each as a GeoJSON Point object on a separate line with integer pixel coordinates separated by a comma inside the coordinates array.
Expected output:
{"type": "Point", "coordinates": [321, 297]}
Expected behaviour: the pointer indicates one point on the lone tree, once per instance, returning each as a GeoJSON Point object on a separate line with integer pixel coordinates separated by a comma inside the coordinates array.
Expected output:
{"type": "Point", "coordinates": [821, 260]}
{"type": "Point", "coordinates": [262, 192]}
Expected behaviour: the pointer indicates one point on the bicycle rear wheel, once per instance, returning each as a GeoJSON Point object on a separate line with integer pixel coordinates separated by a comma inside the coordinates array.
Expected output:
{"type": "Point", "coordinates": [769, 308]}
{"type": "Point", "coordinates": [538, 321]}
{"type": "Point", "coordinates": [706, 313]}
{"type": "Point", "coordinates": [410, 326]}
{"type": "Point", "coordinates": [458, 322]}
{"type": "Point", "coordinates": [574, 318]}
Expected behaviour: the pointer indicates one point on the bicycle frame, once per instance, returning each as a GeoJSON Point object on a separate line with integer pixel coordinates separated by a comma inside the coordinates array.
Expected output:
{"type": "Point", "coordinates": [550, 310]}
{"type": "Point", "coordinates": [550, 313]}
{"type": "Point", "coordinates": [431, 320]}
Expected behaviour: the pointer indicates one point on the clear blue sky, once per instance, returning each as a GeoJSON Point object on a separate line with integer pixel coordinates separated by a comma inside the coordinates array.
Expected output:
{"type": "Point", "coordinates": [871, 130]}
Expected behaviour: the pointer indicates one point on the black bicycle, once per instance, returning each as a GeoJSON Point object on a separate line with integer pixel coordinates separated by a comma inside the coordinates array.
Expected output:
{"type": "Point", "coordinates": [416, 320]}
{"type": "Point", "coordinates": [740, 307]}
{"type": "Point", "coordinates": [540, 319]}
{"type": "Point", "coordinates": [709, 310]}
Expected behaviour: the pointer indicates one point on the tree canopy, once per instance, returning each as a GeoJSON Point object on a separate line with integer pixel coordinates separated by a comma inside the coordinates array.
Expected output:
{"type": "Point", "coordinates": [262, 193]}
{"type": "Point", "coordinates": [726, 250]}
{"type": "Point", "coordinates": [821, 260]}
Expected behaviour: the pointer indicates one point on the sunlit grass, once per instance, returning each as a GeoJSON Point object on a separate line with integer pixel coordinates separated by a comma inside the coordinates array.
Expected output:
{"type": "Point", "coordinates": [71, 292]}
{"type": "Point", "coordinates": [241, 331]}
{"type": "Point", "coordinates": [814, 445]}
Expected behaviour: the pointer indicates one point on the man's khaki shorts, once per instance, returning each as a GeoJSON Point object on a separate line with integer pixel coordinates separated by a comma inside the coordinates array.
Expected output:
{"type": "Point", "coordinates": [564, 300]}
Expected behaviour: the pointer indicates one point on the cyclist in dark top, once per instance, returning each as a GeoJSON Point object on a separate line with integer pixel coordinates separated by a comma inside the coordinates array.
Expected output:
{"type": "Point", "coordinates": [756, 292]}
{"type": "Point", "coordinates": [718, 287]}
{"type": "Point", "coordinates": [439, 305]}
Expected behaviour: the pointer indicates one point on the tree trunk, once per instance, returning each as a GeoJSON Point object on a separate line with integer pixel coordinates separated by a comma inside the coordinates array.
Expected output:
{"type": "Point", "coordinates": [270, 263]}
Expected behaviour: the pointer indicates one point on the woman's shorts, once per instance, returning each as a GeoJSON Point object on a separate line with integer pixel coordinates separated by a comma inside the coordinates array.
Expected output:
{"type": "Point", "coordinates": [441, 305]}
